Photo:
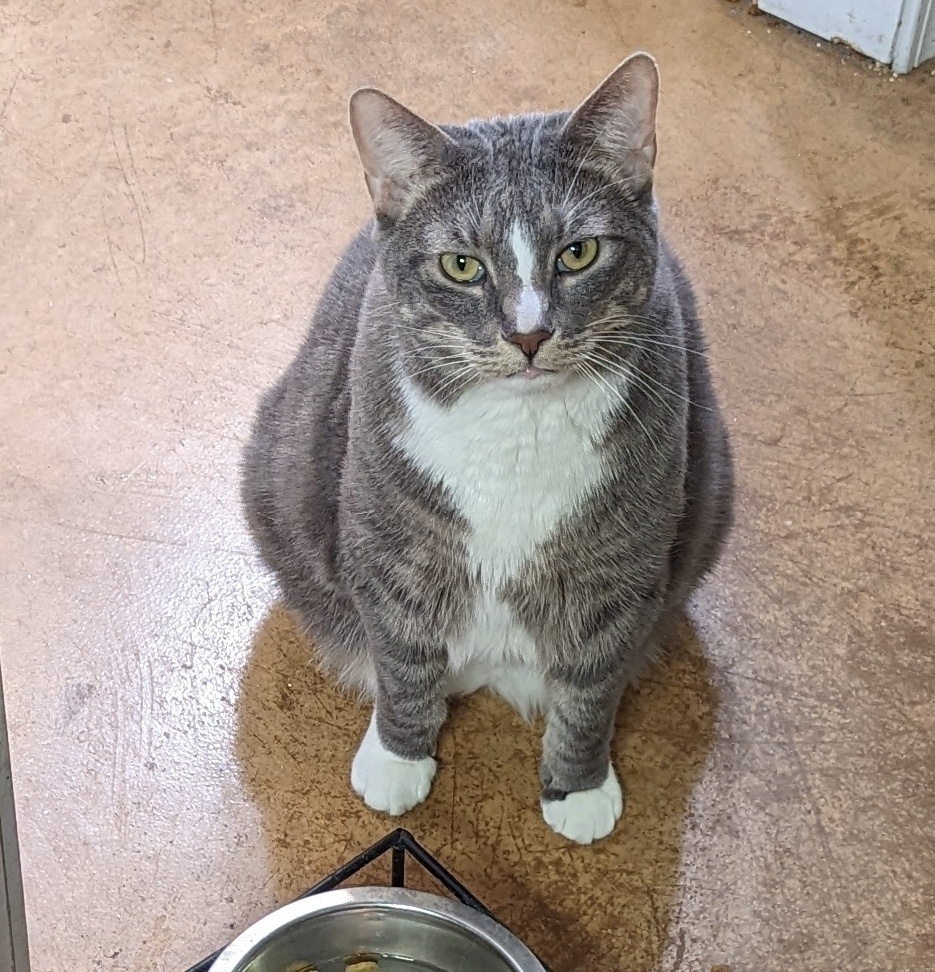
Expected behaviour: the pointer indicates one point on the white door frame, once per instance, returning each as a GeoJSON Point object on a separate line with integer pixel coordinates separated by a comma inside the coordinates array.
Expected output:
{"type": "Point", "coordinates": [898, 33]}
{"type": "Point", "coordinates": [914, 41]}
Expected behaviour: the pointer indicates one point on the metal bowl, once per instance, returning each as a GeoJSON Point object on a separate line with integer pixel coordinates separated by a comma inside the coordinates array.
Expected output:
{"type": "Point", "coordinates": [403, 930]}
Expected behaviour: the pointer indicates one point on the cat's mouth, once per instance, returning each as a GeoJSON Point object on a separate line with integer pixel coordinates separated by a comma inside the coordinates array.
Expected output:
{"type": "Point", "coordinates": [531, 372]}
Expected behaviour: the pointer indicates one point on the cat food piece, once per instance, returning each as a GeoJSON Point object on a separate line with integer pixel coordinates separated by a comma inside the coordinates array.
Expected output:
{"type": "Point", "coordinates": [720, 968]}
{"type": "Point", "coordinates": [367, 966]}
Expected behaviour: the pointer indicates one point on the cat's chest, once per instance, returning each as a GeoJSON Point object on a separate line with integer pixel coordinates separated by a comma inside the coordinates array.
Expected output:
{"type": "Point", "coordinates": [515, 461]}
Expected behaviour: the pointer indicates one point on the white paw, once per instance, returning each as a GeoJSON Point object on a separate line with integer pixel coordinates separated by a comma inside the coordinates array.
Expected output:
{"type": "Point", "coordinates": [386, 782]}
{"type": "Point", "coordinates": [587, 815]}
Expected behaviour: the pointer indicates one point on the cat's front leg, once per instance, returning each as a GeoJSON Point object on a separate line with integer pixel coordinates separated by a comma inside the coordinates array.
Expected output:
{"type": "Point", "coordinates": [581, 795]}
{"type": "Point", "coordinates": [394, 765]}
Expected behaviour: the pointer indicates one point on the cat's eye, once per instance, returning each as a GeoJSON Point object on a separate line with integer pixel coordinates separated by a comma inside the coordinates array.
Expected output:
{"type": "Point", "coordinates": [461, 268]}
{"type": "Point", "coordinates": [577, 256]}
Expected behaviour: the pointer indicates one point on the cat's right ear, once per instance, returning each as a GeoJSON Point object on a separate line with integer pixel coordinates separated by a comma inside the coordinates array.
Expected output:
{"type": "Point", "coordinates": [616, 124]}
{"type": "Point", "coordinates": [400, 151]}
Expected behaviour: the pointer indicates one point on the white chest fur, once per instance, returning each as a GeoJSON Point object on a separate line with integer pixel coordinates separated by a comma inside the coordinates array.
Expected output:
{"type": "Point", "coordinates": [515, 458]}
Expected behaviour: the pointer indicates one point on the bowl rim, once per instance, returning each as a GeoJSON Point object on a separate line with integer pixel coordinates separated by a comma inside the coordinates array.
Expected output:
{"type": "Point", "coordinates": [243, 948]}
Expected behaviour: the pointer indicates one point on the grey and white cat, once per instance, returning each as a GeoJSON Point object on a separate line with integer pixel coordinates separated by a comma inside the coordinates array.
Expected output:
{"type": "Point", "coordinates": [497, 460]}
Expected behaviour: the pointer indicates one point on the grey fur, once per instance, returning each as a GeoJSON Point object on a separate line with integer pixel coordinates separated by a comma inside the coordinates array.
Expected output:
{"type": "Point", "coordinates": [369, 553]}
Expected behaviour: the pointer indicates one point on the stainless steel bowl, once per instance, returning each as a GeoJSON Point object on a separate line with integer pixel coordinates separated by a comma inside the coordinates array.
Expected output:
{"type": "Point", "coordinates": [399, 928]}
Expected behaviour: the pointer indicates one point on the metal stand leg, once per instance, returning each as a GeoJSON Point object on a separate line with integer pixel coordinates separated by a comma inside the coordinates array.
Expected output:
{"type": "Point", "coordinates": [398, 874]}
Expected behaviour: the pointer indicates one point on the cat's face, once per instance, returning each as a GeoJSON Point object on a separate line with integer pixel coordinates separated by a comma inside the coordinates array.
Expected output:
{"type": "Point", "coordinates": [515, 249]}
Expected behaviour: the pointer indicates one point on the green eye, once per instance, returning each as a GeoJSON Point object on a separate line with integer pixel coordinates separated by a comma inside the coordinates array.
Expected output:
{"type": "Point", "coordinates": [461, 268]}
{"type": "Point", "coordinates": [577, 256]}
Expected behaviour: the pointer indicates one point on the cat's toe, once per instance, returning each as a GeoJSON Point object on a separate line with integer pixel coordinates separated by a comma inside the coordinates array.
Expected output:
{"type": "Point", "coordinates": [586, 815]}
{"type": "Point", "coordinates": [386, 782]}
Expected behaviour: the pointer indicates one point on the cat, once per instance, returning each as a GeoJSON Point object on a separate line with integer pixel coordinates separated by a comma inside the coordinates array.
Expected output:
{"type": "Point", "coordinates": [497, 460]}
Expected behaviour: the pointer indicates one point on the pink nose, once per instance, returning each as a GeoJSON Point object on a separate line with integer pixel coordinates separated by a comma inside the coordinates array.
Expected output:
{"type": "Point", "coordinates": [529, 344]}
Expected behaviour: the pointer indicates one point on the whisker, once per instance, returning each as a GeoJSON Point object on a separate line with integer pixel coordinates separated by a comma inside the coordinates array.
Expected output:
{"type": "Point", "coordinates": [425, 371]}
{"type": "Point", "coordinates": [436, 325]}
{"type": "Point", "coordinates": [437, 336]}
{"type": "Point", "coordinates": [455, 378]}
{"type": "Point", "coordinates": [624, 317]}
{"type": "Point", "coordinates": [574, 178]}
{"type": "Point", "coordinates": [629, 375]}
{"type": "Point", "coordinates": [477, 215]}
{"type": "Point", "coordinates": [671, 391]}
{"type": "Point", "coordinates": [449, 356]}
{"type": "Point", "coordinates": [622, 399]}
{"type": "Point", "coordinates": [639, 340]}
{"type": "Point", "coordinates": [584, 199]}
{"type": "Point", "coordinates": [628, 315]}
{"type": "Point", "coordinates": [445, 353]}
{"type": "Point", "coordinates": [639, 375]}
{"type": "Point", "coordinates": [440, 361]}
{"type": "Point", "coordinates": [435, 346]}
{"type": "Point", "coordinates": [638, 378]}
{"type": "Point", "coordinates": [634, 337]}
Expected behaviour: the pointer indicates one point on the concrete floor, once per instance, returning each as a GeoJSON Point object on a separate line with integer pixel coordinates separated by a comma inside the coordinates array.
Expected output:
{"type": "Point", "coordinates": [176, 181]}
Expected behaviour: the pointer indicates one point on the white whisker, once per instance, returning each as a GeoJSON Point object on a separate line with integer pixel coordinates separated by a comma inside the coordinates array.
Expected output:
{"type": "Point", "coordinates": [439, 362]}
{"type": "Point", "coordinates": [634, 375]}
{"type": "Point", "coordinates": [641, 377]}
{"type": "Point", "coordinates": [639, 341]}
{"type": "Point", "coordinates": [622, 399]}
{"type": "Point", "coordinates": [453, 380]}
{"type": "Point", "coordinates": [574, 178]}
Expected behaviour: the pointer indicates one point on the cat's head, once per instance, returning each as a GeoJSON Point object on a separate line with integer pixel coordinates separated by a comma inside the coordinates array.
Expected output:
{"type": "Point", "coordinates": [515, 248]}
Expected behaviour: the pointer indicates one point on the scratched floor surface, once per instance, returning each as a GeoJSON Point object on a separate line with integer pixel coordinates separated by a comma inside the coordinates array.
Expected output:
{"type": "Point", "coordinates": [176, 181]}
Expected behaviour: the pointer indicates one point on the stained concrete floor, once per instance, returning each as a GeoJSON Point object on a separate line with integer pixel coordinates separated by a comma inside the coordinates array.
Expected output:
{"type": "Point", "coordinates": [175, 183]}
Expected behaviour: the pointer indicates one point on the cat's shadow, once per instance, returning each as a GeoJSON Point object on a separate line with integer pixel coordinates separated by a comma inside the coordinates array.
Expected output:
{"type": "Point", "coordinates": [606, 906]}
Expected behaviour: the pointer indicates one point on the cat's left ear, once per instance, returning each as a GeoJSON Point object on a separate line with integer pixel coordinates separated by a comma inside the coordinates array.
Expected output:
{"type": "Point", "coordinates": [400, 152]}
{"type": "Point", "coordinates": [616, 123]}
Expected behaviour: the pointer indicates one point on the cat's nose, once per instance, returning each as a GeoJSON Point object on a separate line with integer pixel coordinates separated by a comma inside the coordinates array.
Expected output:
{"type": "Point", "coordinates": [530, 343]}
